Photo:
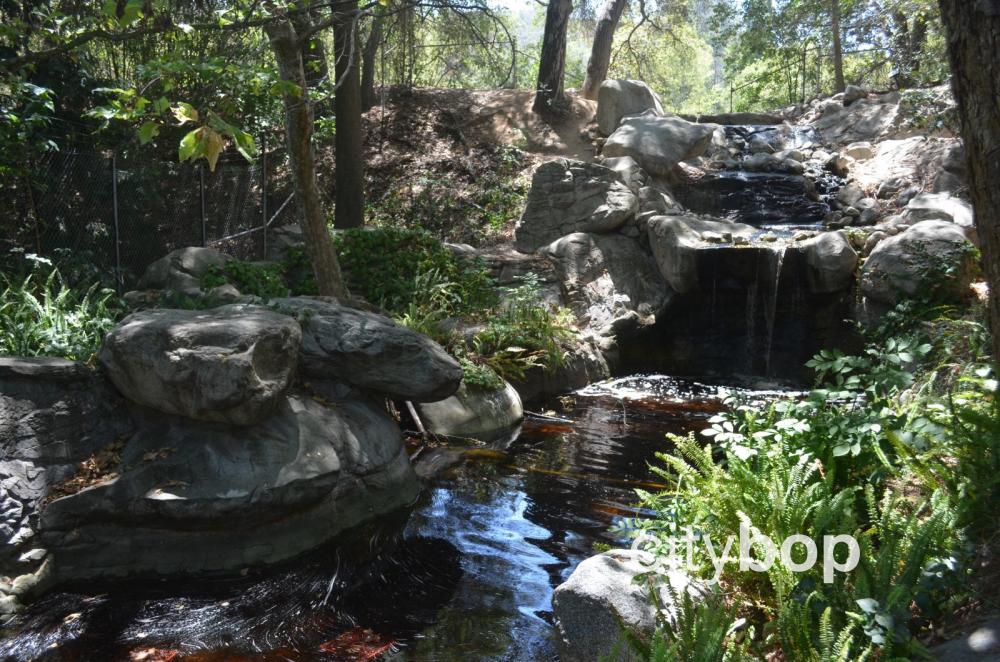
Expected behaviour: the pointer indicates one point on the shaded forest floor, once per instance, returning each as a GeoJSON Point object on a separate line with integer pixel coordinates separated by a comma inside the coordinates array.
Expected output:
{"type": "Point", "coordinates": [458, 162]}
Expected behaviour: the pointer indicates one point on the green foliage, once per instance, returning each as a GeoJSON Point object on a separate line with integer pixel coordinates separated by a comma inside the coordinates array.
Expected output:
{"type": "Point", "coordinates": [523, 333]}
{"type": "Point", "coordinates": [42, 316]}
{"type": "Point", "coordinates": [383, 266]}
{"type": "Point", "coordinates": [263, 279]}
{"type": "Point", "coordinates": [476, 375]}
{"type": "Point", "coordinates": [883, 449]}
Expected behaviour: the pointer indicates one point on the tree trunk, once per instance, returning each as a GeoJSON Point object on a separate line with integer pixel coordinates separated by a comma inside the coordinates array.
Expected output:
{"type": "Point", "coordinates": [600, 52]}
{"type": "Point", "coordinates": [973, 28]}
{"type": "Point", "coordinates": [838, 50]}
{"type": "Point", "coordinates": [350, 156]}
{"type": "Point", "coordinates": [298, 129]}
{"type": "Point", "coordinates": [368, 98]}
{"type": "Point", "coordinates": [549, 97]}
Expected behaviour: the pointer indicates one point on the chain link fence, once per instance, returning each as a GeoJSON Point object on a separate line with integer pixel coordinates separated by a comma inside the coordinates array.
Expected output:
{"type": "Point", "coordinates": [122, 212]}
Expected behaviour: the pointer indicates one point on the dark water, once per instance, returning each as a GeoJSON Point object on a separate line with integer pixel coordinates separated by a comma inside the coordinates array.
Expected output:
{"type": "Point", "coordinates": [467, 574]}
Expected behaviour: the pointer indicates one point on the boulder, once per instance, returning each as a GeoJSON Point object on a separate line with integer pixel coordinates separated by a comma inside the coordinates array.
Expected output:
{"type": "Point", "coordinates": [931, 258]}
{"type": "Point", "coordinates": [944, 207]}
{"type": "Point", "coordinates": [839, 165]}
{"type": "Point", "coordinates": [572, 196]}
{"type": "Point", "coordinates": [229, 364]}
{"type": "Point", "coordinates": [854, 93]}
{"type": "Point", "coordinates": [195, 498]}
{"type": "Point", "coordinates": [676, 240]}
{"type": "Point", "coordinates": [628, 171]}
{"type": "Point", "coordinates": [283, 239]}
{"type": "Point", "coordinates": [850, 194]}
{"type": "Point", "coordinates": [602, 599]}
{"type": "Point", "coordinates": [609, 280]}
{"type": "Point", "coordinates": [658, 143]}
{"type": "Point", "coordinates": [584, 364]}
{"type": "Point", "coordinates": [860, 151]}
{"type": "Point", "coordinates": [474, 413]}
{"type": "Point", "coordinates": [830, 262]}
{"type": "Point", "coordinates": [370, 351]}
{"type": "Point", "coordinates": [618, 98]}
{"type": "Point", "coordinates": [181, 270]}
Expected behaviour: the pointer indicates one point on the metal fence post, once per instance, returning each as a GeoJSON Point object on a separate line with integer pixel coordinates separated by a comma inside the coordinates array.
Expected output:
{"type": "Point", "coordinates": [201, 184]}
{"type": "Point", "coordinates": [263, 190]}
{"type": "Point", "coordinates": [119, 280]}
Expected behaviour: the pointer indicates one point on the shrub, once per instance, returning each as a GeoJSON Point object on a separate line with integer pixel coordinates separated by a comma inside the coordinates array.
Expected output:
{"type": "Point", "coordinates": [382, 266]}
{"type": "Point", "coordinates": [42, 316]}
{"type": "Point", "coordinates": [263, 279]}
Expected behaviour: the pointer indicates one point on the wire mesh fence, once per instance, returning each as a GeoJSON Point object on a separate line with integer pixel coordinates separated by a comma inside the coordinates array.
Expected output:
{"type": "Point", "coordinates": [122, 212]}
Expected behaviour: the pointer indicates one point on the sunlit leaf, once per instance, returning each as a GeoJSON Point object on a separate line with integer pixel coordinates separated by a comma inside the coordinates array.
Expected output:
{"type": "Point", "coordinates": [185, 112]}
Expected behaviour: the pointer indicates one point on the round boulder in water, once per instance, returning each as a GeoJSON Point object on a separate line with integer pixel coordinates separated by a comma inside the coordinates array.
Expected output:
{"type": "Point", "coordinates": [474, 413]}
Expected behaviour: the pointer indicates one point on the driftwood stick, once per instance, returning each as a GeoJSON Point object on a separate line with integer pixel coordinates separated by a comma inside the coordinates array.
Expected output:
{"type": "Point", "coordinates": [416, 419]}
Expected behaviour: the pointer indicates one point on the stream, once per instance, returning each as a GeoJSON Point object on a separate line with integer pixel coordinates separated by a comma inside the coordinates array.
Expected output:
{"type": "Point", "coordinates": [466, 574]}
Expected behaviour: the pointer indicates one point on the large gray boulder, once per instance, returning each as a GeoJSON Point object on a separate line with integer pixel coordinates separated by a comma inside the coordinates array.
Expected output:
{"type": "Point", "coordinates": [182, 269]}
{"type": "Point", "coordinates": [943, 207]}
{"type": "Point", "coordinates": [572, 196]}
{"type": "Point", "coordinates": [474, 413]}
{"type": "Point", "coordinates": [618, 98]}
{"type": "Point", "coordinates": [658, 143]}
{"type": "Point", "coordinates": [830, 262]}
{"type": "Point", "coordinates": [370, 351]}
{"type": "Point", "coordinates": [609, 281]}
{"type": "Point", "coordinates": [194, 498]}
{"type": "Point", "coordinates": [676, 241]}
{"type": "Point", "coordinates": [230, 364]}
{"type": "Point", "coordinates": [602, 599]}
{"type": "Point", "coordinates": [931, 259]}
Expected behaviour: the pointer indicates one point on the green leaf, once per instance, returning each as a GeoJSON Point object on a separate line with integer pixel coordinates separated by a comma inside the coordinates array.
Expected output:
{"type": "Point", "coordinates": [161, 105]}
{"type": "Point", "coordinates": [185, 112]}
{"type": "Point", "coordinates": [148, 131]}
{"type": "Point", "coordinates": [189, 146]}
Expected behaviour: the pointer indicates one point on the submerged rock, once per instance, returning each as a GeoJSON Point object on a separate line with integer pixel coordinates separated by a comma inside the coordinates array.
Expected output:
{"type": "Point", "coordinates": [370, 351]}
{"type": "Point", "coordinates": [618, 98]}
{"type": "Point", "coordinates": [229, 364]}
{"type": "Point", "coordinates": [572, 196]}
{"type": "Point", "coordinates": [658, 143]}
{"type": "Point", "coordinates": [474, 413]}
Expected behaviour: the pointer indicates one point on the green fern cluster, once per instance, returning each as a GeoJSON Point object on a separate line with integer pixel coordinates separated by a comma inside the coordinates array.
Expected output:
{"type": "Point", "coordinates": [873, 452]}
{"type": "Point", "coordinates": [43, 316]}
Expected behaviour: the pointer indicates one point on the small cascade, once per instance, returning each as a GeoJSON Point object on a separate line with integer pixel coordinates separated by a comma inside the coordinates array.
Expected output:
{"type": "Point", "coordinates": [771, 308]}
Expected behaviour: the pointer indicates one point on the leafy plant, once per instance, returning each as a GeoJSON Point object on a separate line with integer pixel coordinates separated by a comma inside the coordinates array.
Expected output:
{"type": "Point", "coordinates": [45, 317]}
{"type": "Point", "coordinates": [263, 279]}
{"type": "Point", "coordinates": [382, 265]}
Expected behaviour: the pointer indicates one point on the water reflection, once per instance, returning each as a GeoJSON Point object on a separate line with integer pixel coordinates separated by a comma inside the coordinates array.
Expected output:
{"type": "Point", "coordinates": [468, 574]}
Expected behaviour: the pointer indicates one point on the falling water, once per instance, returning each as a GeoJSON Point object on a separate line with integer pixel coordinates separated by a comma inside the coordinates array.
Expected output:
{"type": "Point", "coordinates": [770, 310]}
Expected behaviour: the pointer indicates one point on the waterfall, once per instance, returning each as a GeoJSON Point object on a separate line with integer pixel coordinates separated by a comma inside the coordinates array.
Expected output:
{"type": "Point", "coordinates": [776, 261]}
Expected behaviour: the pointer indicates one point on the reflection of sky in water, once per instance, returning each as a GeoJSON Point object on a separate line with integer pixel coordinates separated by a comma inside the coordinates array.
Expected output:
{"type": "Point", "coordinates": [504, 579]}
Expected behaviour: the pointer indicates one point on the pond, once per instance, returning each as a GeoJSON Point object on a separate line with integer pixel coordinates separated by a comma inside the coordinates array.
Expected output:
{"type": "Point", "coordinates": [466, 574]}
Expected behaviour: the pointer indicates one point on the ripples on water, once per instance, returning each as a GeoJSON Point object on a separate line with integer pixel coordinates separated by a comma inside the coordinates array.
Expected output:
{"type": "Point", "coordinates": [468, 574]}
